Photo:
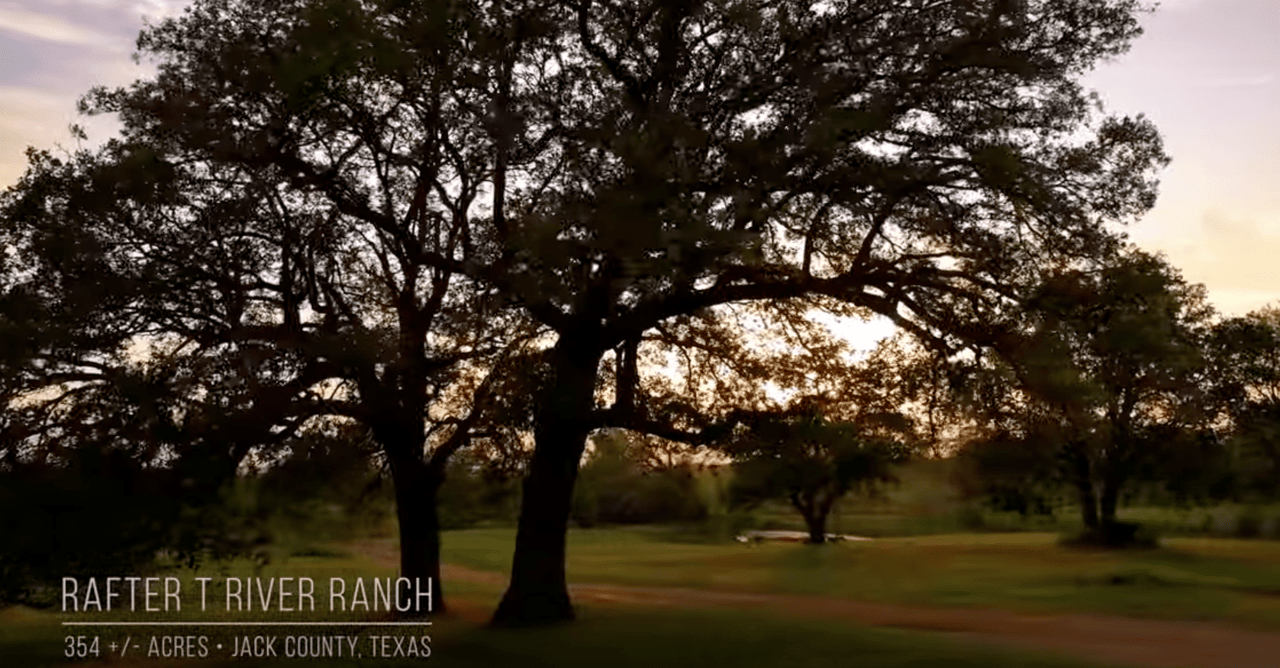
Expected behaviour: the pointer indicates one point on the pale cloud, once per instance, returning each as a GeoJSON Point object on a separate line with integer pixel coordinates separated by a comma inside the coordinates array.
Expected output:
{"type": "Point", "coordinates": [41, 118]}
{"type": "Point", "coordinates": [1234, 82]}
{"type": "Point", "coordinates": [151, 9]}
{"type": "Point", "coordinates": [1196, 5]}
{"type": "Point", "coordinates": [30, 108]}
{"type": "Point", "coordinates": [29, 117]}
{"type": "Point", "coordinates": [1234, 257]}
{"type": "Point", "coordinates": [79, 44]}
{"type": "Point", "coordinates": [46, 27]}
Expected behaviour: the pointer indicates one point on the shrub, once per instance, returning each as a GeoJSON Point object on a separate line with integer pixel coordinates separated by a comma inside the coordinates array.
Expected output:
{"type": "Point", "coordinates": [613, 489]}
{"type": "Point", "coordinates": [971, 517]}
{"type": "Point", "coordinates": [472, 495]}
{"type": "Point", "coordinates": [1114, 535]}
{"type": "Point", "coordinates": [1249, 522]}
{"type": "Point", "coordinates": [104, 514]}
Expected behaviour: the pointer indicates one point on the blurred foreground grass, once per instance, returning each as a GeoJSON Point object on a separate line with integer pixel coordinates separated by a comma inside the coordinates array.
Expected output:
{"type": "Point", "coordinates": [604, 635]}
{"type": "Point", "coordinates": [1188, 578]}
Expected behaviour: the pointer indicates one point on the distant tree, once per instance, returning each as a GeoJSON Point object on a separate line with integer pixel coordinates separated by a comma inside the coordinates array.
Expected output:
{"type": "Point", "coordinates": [801, 456]}
{"type": "Point", "coordinates": [1018, 473]}
{"type": "Point", "coordinates": [1108, 362]}
{"type": "Point", "coordinates": [329, 476]}
{"type": "Point", "coordinates": [1190, 464]}
{"type": "Point", "coordinates": [623, 173]}
{"type": "Point", "coordinates": [1246, 364]}
{"type": "Point", "coordinates": [619, 484]}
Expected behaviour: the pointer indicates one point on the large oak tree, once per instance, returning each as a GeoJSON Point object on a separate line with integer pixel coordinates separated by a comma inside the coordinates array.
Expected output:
{"type": "Point", "coordinates": [613, 168]}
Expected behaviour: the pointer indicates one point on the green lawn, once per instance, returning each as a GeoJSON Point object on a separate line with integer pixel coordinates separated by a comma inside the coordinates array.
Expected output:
{"type": "Point", "coordinates": [638, 637]}
{"type": "Point", "coordinates": [603, 635]}
{"type": "Point", "coordinates": [1195, 578]}
{"type": "Point", "coordinates": [1188, 578]}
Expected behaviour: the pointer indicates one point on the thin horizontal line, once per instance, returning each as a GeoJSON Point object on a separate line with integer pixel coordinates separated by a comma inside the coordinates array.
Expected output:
{"type": "Point", "coordinates": [246, 623]}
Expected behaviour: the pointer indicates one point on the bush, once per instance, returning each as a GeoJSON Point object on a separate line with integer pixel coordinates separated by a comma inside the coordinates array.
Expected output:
{"type": "Point", "coordinates": [328, 488]}
{"type": "Point", "coordinates": [1114, 535]}
{"type": "Point", "coordinates": [58, 522]}
{"type": "Point", "coordinates": [972, 518]}
{"type": "Point", "coordinates": [472, 495]}
{"type": "Point", "coordinates": [613, 489]}
{"type": "Point", "coordinates": [103, 513]}
{"type": "Point", "coordinates": [1249, 522]}
{"type": "Point", "coordinates": [639, 498]}
{"type": "Point", "coordinates": [1009, 474]}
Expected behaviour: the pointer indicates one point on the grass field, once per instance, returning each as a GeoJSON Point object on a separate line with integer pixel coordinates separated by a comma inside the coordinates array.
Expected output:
{"type": "Point", "coordinates": [1189, 578]}
{"type": "Point", "coordinates": [1236, 581]}
{"type": "Point", "coordinates": [604, 635]}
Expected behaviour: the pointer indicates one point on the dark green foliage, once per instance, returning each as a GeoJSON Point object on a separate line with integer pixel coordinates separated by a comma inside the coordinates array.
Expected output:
{"type": "Point", "coordinates": [613, 488]}
{"type": "Point", "coordinates": [1102, 379]}
{"type": "Point", "coordinates": [1246, 354]}
{"type": "Point", "coordinates": [1010, 474]}
{"type": "Point", "coordinates": [473, 494]}
{"type": "Point", "coordinates": [67, 522]}
{"type": "Point", "coordinates": [101, 513]}
{"type": "Point", "coordinates": [812, 462]}
{"type": "Point", "coordinates": [329, 485]}
{"type": "Point", "coordinates": [609, 173]}
{"type": "Point", "coordinates": [1189, 466]}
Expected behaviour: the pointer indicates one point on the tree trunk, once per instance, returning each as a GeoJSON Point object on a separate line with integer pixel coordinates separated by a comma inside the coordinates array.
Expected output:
{"type": "Point", "coordinates": [1114, 532]}
{"type": "Point", "coordinates": [538, 593]}
{"type": "Point", "coordinates": [1088, 503]}
{"type": "Point", "coordinates": [416, 488]}
{"type": "Point", "coordinates": [815, 514]}
{"type": "Point", "coordinates": [1084, 489]}
{"type": "Point", "coordinates": [817, 523]}
{"type": "Point", "coordinates": [1107, 504]}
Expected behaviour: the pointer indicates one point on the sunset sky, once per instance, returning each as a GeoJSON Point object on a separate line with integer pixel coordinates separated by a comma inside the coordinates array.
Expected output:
{"type": "Point", "coordinates": [1206, 71]}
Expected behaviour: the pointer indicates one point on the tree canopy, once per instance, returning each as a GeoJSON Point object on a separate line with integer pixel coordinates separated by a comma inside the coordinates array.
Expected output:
{"type": "Point", "coordinates": [812, 461]}
{"type": "Point", "coordinates": [1107, 361]}
{"type": "Point", "coordinates": [626, 176]}
{"type": "Point", "coordinates": [1246, 379]}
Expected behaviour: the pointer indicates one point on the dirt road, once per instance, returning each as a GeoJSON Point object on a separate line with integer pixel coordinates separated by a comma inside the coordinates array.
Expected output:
{"type": "Point", "coordinates": [1106, 639]}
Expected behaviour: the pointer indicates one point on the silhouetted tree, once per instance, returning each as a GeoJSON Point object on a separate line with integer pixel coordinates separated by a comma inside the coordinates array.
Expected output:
{"type": "Point", "coordinates": [1246, 377]}
{"type": "Point", "coordinates": [812, 462]}
{"type": "Point", "coordinates": [622, 172]}
{"type": "Point", "coordinates": [1108, 361]}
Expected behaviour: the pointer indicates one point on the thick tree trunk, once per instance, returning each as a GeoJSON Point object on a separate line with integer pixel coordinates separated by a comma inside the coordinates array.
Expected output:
{"type": "Point", "coordinates": [814, 513]}
{"type": "Point", "coordinates": [1084, 488]}
{"type": "Point", "coordinates": [1088, 503]}
{"type": "Point", "coordinates": [1110, 497]}
{"type": "Point", "coordinates": [1114, 532]}
{"type": "Point", "coordinates": [817, 524]}
{"type": "Point", "coordinates": [538, 593]}
{"type": "Point", "coordinates": [416, 488]}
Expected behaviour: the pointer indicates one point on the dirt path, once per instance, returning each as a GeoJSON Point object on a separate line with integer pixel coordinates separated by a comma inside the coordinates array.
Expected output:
{"type": "Point", "coordinates": [1106, 639]}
